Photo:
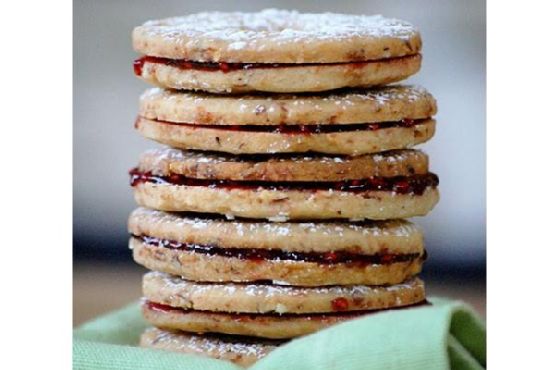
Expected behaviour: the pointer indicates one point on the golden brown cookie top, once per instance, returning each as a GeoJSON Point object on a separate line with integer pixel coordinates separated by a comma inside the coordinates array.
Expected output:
{"type": "Point", "coordinates": [203, 165]}
{"type": "Point", "coordinates": [390, 103]}
{"type": "Point", "coordinates": [277, 36]}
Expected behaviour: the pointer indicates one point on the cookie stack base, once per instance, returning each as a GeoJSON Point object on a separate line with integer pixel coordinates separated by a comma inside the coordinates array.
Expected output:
{"type": "Point", "coordinates": [242, 351]}
{"type": "Point", "coordinates": [224, 321]}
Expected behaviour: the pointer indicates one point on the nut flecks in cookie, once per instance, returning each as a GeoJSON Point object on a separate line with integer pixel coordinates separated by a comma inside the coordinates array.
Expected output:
{"type": "Point", "coordinates": [384, 104]}
{"type": "Point", "coordinates": [269, 298]}
{"type": "Point", "coordinates": [286, 167]}
{"type": "Point", "coordinates": [219, 139]}
{"type": "Point", "coordinates": [287, 79]}
{"type": "Point", "coordinates": [216, 268]}
{"type": "Point", "coordinates": [392, 236]}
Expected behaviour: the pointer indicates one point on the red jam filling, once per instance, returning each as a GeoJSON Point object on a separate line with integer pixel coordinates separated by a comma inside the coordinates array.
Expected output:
{"type": "Point", "coordinates": [339, 304]}
{"type": "Point", "coordinates": [224, 67]}
{"type": "Point", "coordinates": [414, 184]}
{"type": "Point", "coordinates": [302, 129]}
{"type": "Point", "coordinates": [249, 316]}
{"type": "Point", "coordinates": [255, 254]}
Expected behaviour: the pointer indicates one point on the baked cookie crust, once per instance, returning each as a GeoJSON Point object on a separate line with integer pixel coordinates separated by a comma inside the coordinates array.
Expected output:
{"type": "Point", "coordinates": [283, 205]}
{"type": "Point", "coordinates": [392, 236]}
{"type": "Point", "coordinates": [276, 36]}
{"type": "Point", "coordinates": [251, 142]}
{"type": "Point", "coordinates": [264, 298]}
{"type": "Point", "coordinates": [385, 104]}
{"type": "Point", "coordinates": [264, 326]}
{"type": "Point", "coordinates": [310, 168]}
{"type": "Point", "coordinates": [283, 79]}
{"type": "Point", "coordinates": [255, 325]}
{"type": "Point", "coordinates": [214, 268]}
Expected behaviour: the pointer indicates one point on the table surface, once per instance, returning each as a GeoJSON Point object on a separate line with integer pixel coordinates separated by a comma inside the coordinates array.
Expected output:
{"type": "Point", "coordinates": [99, 288]}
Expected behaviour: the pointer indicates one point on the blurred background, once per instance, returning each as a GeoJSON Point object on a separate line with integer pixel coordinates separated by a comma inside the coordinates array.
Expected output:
{"type": "Point", "coordinates": [106, 146]}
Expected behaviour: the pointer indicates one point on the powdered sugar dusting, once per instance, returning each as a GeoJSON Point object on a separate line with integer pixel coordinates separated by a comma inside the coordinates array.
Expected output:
{"type": "Point", "coordinates": [246, 30]}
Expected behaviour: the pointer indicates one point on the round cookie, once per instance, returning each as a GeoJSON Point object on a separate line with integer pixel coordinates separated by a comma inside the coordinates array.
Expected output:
{"type": "Point", "coordinates": [385, 104]}
{"type": "Point", "coordinates": [199, 266]}
{"type": "Point", "coordinates": [368, 238]}
{"type": "Point", "coordinates": [211, 166]}
{"type": "Point", "coordinates": [264, 298]}
{"type": "Point", "coordinates": [379, 197]}
{"type": "Point", "coordinates": [282, 205]}
{"type": "Point", "coordinates": [363, 139]}
{"type": "Point", "coordinates": [256, 325]}
{"type": "Point", "coordinates": [276, 51]}
{"type": "Point", "coordinates": [276, 79]}
{"type": "Point", "coordinates": [240, 350]}
{"type": "Point", "coordinates": [276, 36]}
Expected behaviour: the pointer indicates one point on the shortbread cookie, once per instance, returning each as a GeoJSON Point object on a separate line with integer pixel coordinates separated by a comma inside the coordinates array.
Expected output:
{"type": "Point", "coordinates": [370, 197]}
{"type": "Point", "coordinates": [276, 36]}
{"type": "Point", "coordinates": [205, 248]}
{"type": "Point", "coordinates": [242, 351]}
{"type": "Point", "coordinates": [265, 298]}
{"type": "Point", "coordinates": [384, 104]}
{"type": "Point", "coordinates": [277, 168]}
{"type": "Point", "coordinates": [403, 197]}
{"type": "Point", "coordinates": [351, 239]}
{"type": "Point", "coordinates": [276, 51]}
{"type": "Point", "coordinates": [215, 264]}
{"type": "Point", "coordinates": [273, 326]}
{"type": "Point", "coordinates": [333, 139]}
{"type": "Point", "coordinates": [278, 78]}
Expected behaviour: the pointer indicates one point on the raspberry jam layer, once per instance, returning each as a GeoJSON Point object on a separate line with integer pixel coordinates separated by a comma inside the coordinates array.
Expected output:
{"type": "Point", "coordinates": [414, 184]}
{"type": "Point", "coordinates": [154, 306]}
{"type": "Point", "coordinates": [255, 254]}
{"type": "Point", "coordinates": [302, 129]}
{"type": "Point", "coordinates": [224, 67]}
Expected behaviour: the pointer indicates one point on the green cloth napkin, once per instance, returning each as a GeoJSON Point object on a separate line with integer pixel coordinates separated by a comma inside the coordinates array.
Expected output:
{"type": "Point", "coordinates": [445, 335]}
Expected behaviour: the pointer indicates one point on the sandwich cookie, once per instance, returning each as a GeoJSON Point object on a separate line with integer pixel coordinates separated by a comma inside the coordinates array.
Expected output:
{"type": "Point", "coordinates": [349, 123]}
{"type": "Point", "coordinates": [284, 325]}
{"type": "Point", "coordinates": [173, 291]}
{"type": "Point", "coordinates": [380, 186]}
{"type": "Point", "coordinates": [275, 51]}
{"type": "Point", "coordinates": [212, 249]}
{"type": "Point", "coordinates": [243, 351]}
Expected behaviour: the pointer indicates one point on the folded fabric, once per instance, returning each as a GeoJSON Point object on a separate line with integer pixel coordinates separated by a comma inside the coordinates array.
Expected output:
{"type": "Point", "coordinates": [444, 335]}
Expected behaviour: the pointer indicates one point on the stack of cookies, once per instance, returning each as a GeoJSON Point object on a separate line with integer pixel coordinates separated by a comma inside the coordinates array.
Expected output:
{"type": "Point", "coordinates": [278, 207]}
